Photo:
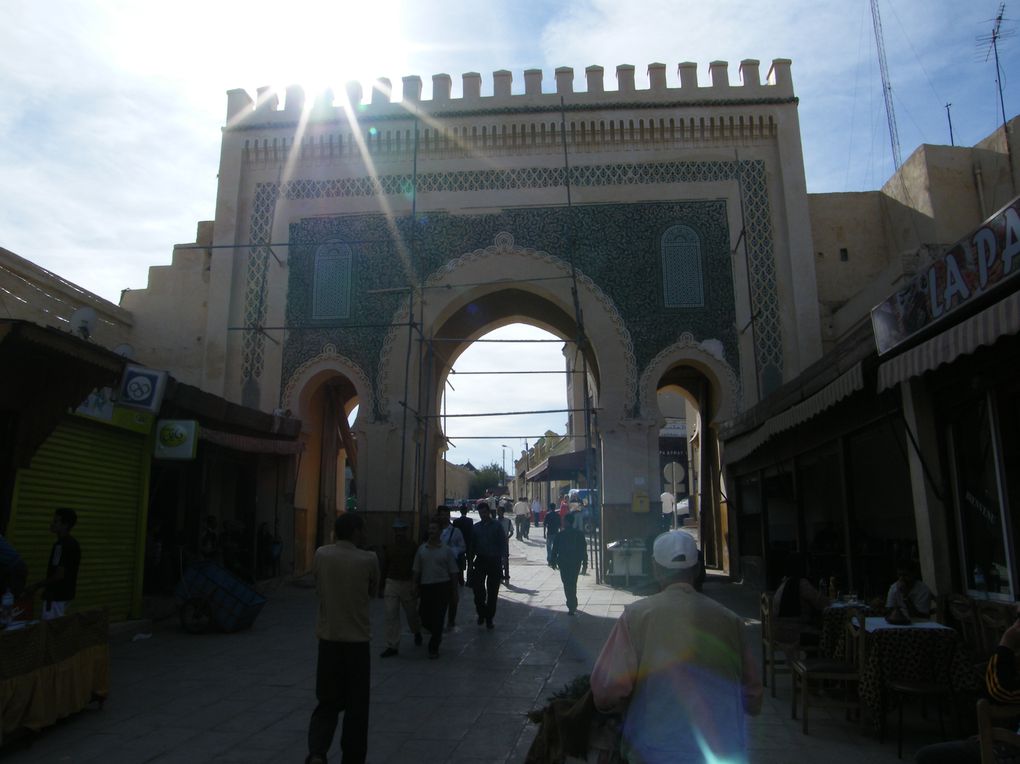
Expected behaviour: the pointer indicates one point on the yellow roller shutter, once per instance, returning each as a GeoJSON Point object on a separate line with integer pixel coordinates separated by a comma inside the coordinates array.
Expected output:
{"type": "Point", "coordinates": [101, 472]}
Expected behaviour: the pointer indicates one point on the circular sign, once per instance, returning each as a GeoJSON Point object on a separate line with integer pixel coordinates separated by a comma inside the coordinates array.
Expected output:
{"type": "Point", "coordinates": [674, 472]}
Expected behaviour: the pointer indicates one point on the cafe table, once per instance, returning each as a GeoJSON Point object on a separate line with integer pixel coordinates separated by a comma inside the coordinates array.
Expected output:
{"type": "Point", "coordinates": [832, 642]}
{"type": "Point", "coordinates": [921, 651]}
{"type": "Point", "coordinates": [51, 669]}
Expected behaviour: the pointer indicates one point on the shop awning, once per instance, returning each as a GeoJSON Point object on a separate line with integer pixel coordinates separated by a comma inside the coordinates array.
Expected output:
{"type": "Point", "coordinates": [48, 371]}
{"type": "Point", "coordinates": [983, 328]}
{"type": "Point", "coordinates": [559, 467]}
{"type": "Point", "coordinates": [846, 384]}
{"type": "Point", "coordinates": [251, 444]}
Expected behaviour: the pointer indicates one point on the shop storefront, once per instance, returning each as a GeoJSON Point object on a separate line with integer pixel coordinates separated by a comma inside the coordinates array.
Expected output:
{"type": "Point", "coordinates": [949, 347]}
{"type": "Point", "coordinates": [832, 487]}
{"type": "Point", "coordinates": [901, 443]}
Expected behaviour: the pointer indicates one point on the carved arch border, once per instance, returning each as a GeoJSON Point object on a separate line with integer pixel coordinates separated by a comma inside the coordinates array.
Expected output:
{"type": "Point", "coordinates": [706, 354]}
{"type": "Point", "coordinates": [503, 245]}
{"type": "Point", "coordinates": [328, 360]}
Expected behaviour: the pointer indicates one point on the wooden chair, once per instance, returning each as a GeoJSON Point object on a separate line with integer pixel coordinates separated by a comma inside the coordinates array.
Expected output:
{"type": "Point", "coordinates": [899, 691]}
{"type": "Point", "coordinates": [773, 657]}
{"type": "Point", "coordinates": [989, 734]}
{"type": "Point", "coordinates": [964, 616]}
{"type": "Point", "coordinates": [993, 618]}
{"type": "Point", "coordinates": [822, 672]}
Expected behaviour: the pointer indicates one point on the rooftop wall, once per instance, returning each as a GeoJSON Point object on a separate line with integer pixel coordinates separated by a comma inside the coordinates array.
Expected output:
{"type": "Point", "coordinates": [266, 107]}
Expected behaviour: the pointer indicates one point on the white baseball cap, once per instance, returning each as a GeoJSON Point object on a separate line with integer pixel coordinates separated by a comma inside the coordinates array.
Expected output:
{"type": "Point", "coordinates": [675, 550]}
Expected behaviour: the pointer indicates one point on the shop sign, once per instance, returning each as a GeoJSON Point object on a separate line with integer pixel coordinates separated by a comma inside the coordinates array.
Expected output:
{"type": "Point", "coordinates": [101, 406]}
{"type": "Point", "coordinates": [176, 439]}
{"type": "Point", "coordinates": [142, 388]}
{"type": "Point", "coordinates": [974, 266]}
{"type": "Point", "coordinates": [673, 467]}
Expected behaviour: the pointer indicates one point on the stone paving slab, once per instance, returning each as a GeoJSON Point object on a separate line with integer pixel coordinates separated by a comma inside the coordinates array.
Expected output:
{"type": "Point", "coordinates": [247, 697]}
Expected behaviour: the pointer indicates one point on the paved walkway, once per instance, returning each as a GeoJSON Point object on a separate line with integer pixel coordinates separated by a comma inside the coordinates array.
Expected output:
{"type": "Point", "coordinates": [247, 697]}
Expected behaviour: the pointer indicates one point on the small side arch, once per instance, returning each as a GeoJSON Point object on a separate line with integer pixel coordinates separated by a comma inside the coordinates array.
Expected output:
{"type": "Point", "coordinates": [327, 364]}
{"type": "Point", "coordinates": [707, 358]}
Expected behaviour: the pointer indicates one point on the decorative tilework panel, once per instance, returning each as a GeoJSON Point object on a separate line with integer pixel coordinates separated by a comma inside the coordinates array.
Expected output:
{"type": "Point", "coordinates": [440, 237]}
{"type": "Point", "coordinates": [681, 268]}
{"type": "Point", "coordinates": [331, 290]}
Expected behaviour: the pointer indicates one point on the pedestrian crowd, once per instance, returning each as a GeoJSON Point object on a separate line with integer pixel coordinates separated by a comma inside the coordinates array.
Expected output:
{"type": "Point", "coordinates": [677, 638]}
{"type": "Point", "coordinates": [422, 581]}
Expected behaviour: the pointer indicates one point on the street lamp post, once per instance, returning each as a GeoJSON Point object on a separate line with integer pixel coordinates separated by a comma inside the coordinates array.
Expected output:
{"type": "Point", "coordinates": [504, 463]}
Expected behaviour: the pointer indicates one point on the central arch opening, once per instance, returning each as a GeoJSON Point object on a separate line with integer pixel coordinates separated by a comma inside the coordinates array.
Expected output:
{"type": "Point", "coordinates": [511, 370]}
{"type": "Point", "coordinates": [509, 393]}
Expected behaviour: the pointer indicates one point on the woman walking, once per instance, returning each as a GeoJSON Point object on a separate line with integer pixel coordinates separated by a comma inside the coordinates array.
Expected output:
{"type": "Point", "coordinates": [435, 580]}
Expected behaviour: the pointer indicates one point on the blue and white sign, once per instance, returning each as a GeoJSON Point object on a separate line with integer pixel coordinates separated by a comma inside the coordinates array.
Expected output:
{"type": "Point", "coordinates": [142, 388]}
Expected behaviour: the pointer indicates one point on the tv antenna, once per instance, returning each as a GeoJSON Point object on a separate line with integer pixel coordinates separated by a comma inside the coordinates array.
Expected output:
{"type": "Point", "coordinates": [83, 322]}
{"type": "Point", "coordinates": [992, 41]}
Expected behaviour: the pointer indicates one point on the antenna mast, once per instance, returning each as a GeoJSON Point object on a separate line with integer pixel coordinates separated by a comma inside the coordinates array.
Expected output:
{"type": "Point", "coordinates": [890, 114]}
{"type": "Point", "coordinates": [998, 33]}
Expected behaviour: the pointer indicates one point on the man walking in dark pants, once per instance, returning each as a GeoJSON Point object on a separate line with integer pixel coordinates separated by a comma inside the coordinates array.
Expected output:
{"type": "Point", "coordinates": [346, 579]}
{"type": "Point", "coordinates": [488, 540]}
{"type": "Point", "coordinates": [550, 528]}
{"type": "Point", "coordinates": [570, 555]}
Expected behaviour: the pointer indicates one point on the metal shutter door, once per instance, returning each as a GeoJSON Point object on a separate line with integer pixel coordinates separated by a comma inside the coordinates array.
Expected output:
{"type": "Point", "coordinates": [100, 472]}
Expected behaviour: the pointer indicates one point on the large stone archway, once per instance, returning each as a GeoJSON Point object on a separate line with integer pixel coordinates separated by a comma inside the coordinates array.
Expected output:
{"type": "Point", "coordinates": [473, 294]}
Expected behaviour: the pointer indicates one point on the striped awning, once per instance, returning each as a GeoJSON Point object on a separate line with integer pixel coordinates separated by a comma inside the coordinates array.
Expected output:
{"type": "Point", "coordinates": [983, 328]}
{"type": "Point", "coordinates": [846, 384]}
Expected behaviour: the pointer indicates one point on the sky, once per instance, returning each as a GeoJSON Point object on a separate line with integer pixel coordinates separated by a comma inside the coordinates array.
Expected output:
{"type": "Point", "coordinates": [110, 126]}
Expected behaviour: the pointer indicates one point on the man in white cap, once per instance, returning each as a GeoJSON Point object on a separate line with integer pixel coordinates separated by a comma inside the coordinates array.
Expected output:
{"type": "Point", "coordinates": [679, 667]}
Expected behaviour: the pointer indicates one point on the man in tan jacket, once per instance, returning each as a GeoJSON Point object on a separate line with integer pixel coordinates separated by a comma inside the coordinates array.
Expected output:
{"type": "Point", "coordinates": [346, 579]}
{"type": "Point", "coordinates": [680, 668]}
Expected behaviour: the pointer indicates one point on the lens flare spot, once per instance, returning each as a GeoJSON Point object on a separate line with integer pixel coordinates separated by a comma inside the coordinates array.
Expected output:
{"type": "Point", "coordinates": [373, 132]}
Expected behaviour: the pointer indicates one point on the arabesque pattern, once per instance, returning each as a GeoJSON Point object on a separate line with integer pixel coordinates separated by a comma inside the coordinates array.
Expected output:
{"type": "Point", "coordinates": [750, 174]}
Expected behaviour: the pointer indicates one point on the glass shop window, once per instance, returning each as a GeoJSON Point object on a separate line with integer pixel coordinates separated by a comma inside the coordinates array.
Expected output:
{"type": "Point", "coordinates": [749, 528]}
{"type": "Point", "coordinates": [881, 509]}
{"type": "Point", "coordinates": [820, 484]}
{"type": "Point", "coordinates": [781, 511]}
{"type": "Point", "coordinates": [982, 522]}
{"type": "Point", "coordinates": [1009, 429]}
{"type": "Point", "coordinates": [331, 287]}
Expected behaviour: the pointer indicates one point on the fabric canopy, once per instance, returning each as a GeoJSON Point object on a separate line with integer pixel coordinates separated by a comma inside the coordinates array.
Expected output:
{"type": "Point", "coordinates": [983, 328]}
{"type": "Point", "coordinates": [846, 384]}
{"type": "Point", "coordinates": [560, 467]}
{"type": "Point", "coordinates": [250, 444]}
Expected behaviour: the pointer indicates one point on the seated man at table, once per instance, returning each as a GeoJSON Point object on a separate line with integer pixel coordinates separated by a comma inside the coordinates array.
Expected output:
{"type": "Point", "coordinates": [909, 593]}
{"type": "Point", "coordinates": [1002, 685]}
{"type": "Point", "coordinates": [797, 608]}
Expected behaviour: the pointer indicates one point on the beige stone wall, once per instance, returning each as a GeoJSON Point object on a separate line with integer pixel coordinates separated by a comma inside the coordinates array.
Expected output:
{"type": "Point", "coordinates": [998, 159]}
{"type": "Point", "coordinates": [453, 481]}
{"type": "Point", "coordinates": [171, 311]}
{"type": "Point", "coordinates": [851, 248]}
{"type": "Point", "coordinates": [939, 194]}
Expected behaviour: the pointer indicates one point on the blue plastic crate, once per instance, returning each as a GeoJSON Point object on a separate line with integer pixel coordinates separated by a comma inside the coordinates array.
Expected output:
{"type": "Point", "coordinates": [235, 605]}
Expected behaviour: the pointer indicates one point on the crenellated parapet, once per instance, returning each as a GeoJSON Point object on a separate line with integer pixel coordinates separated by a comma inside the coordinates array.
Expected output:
{"type": "Point", "coordinates": [338, 127]}
{"type": "Point", "coordinates": [382, 101]}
